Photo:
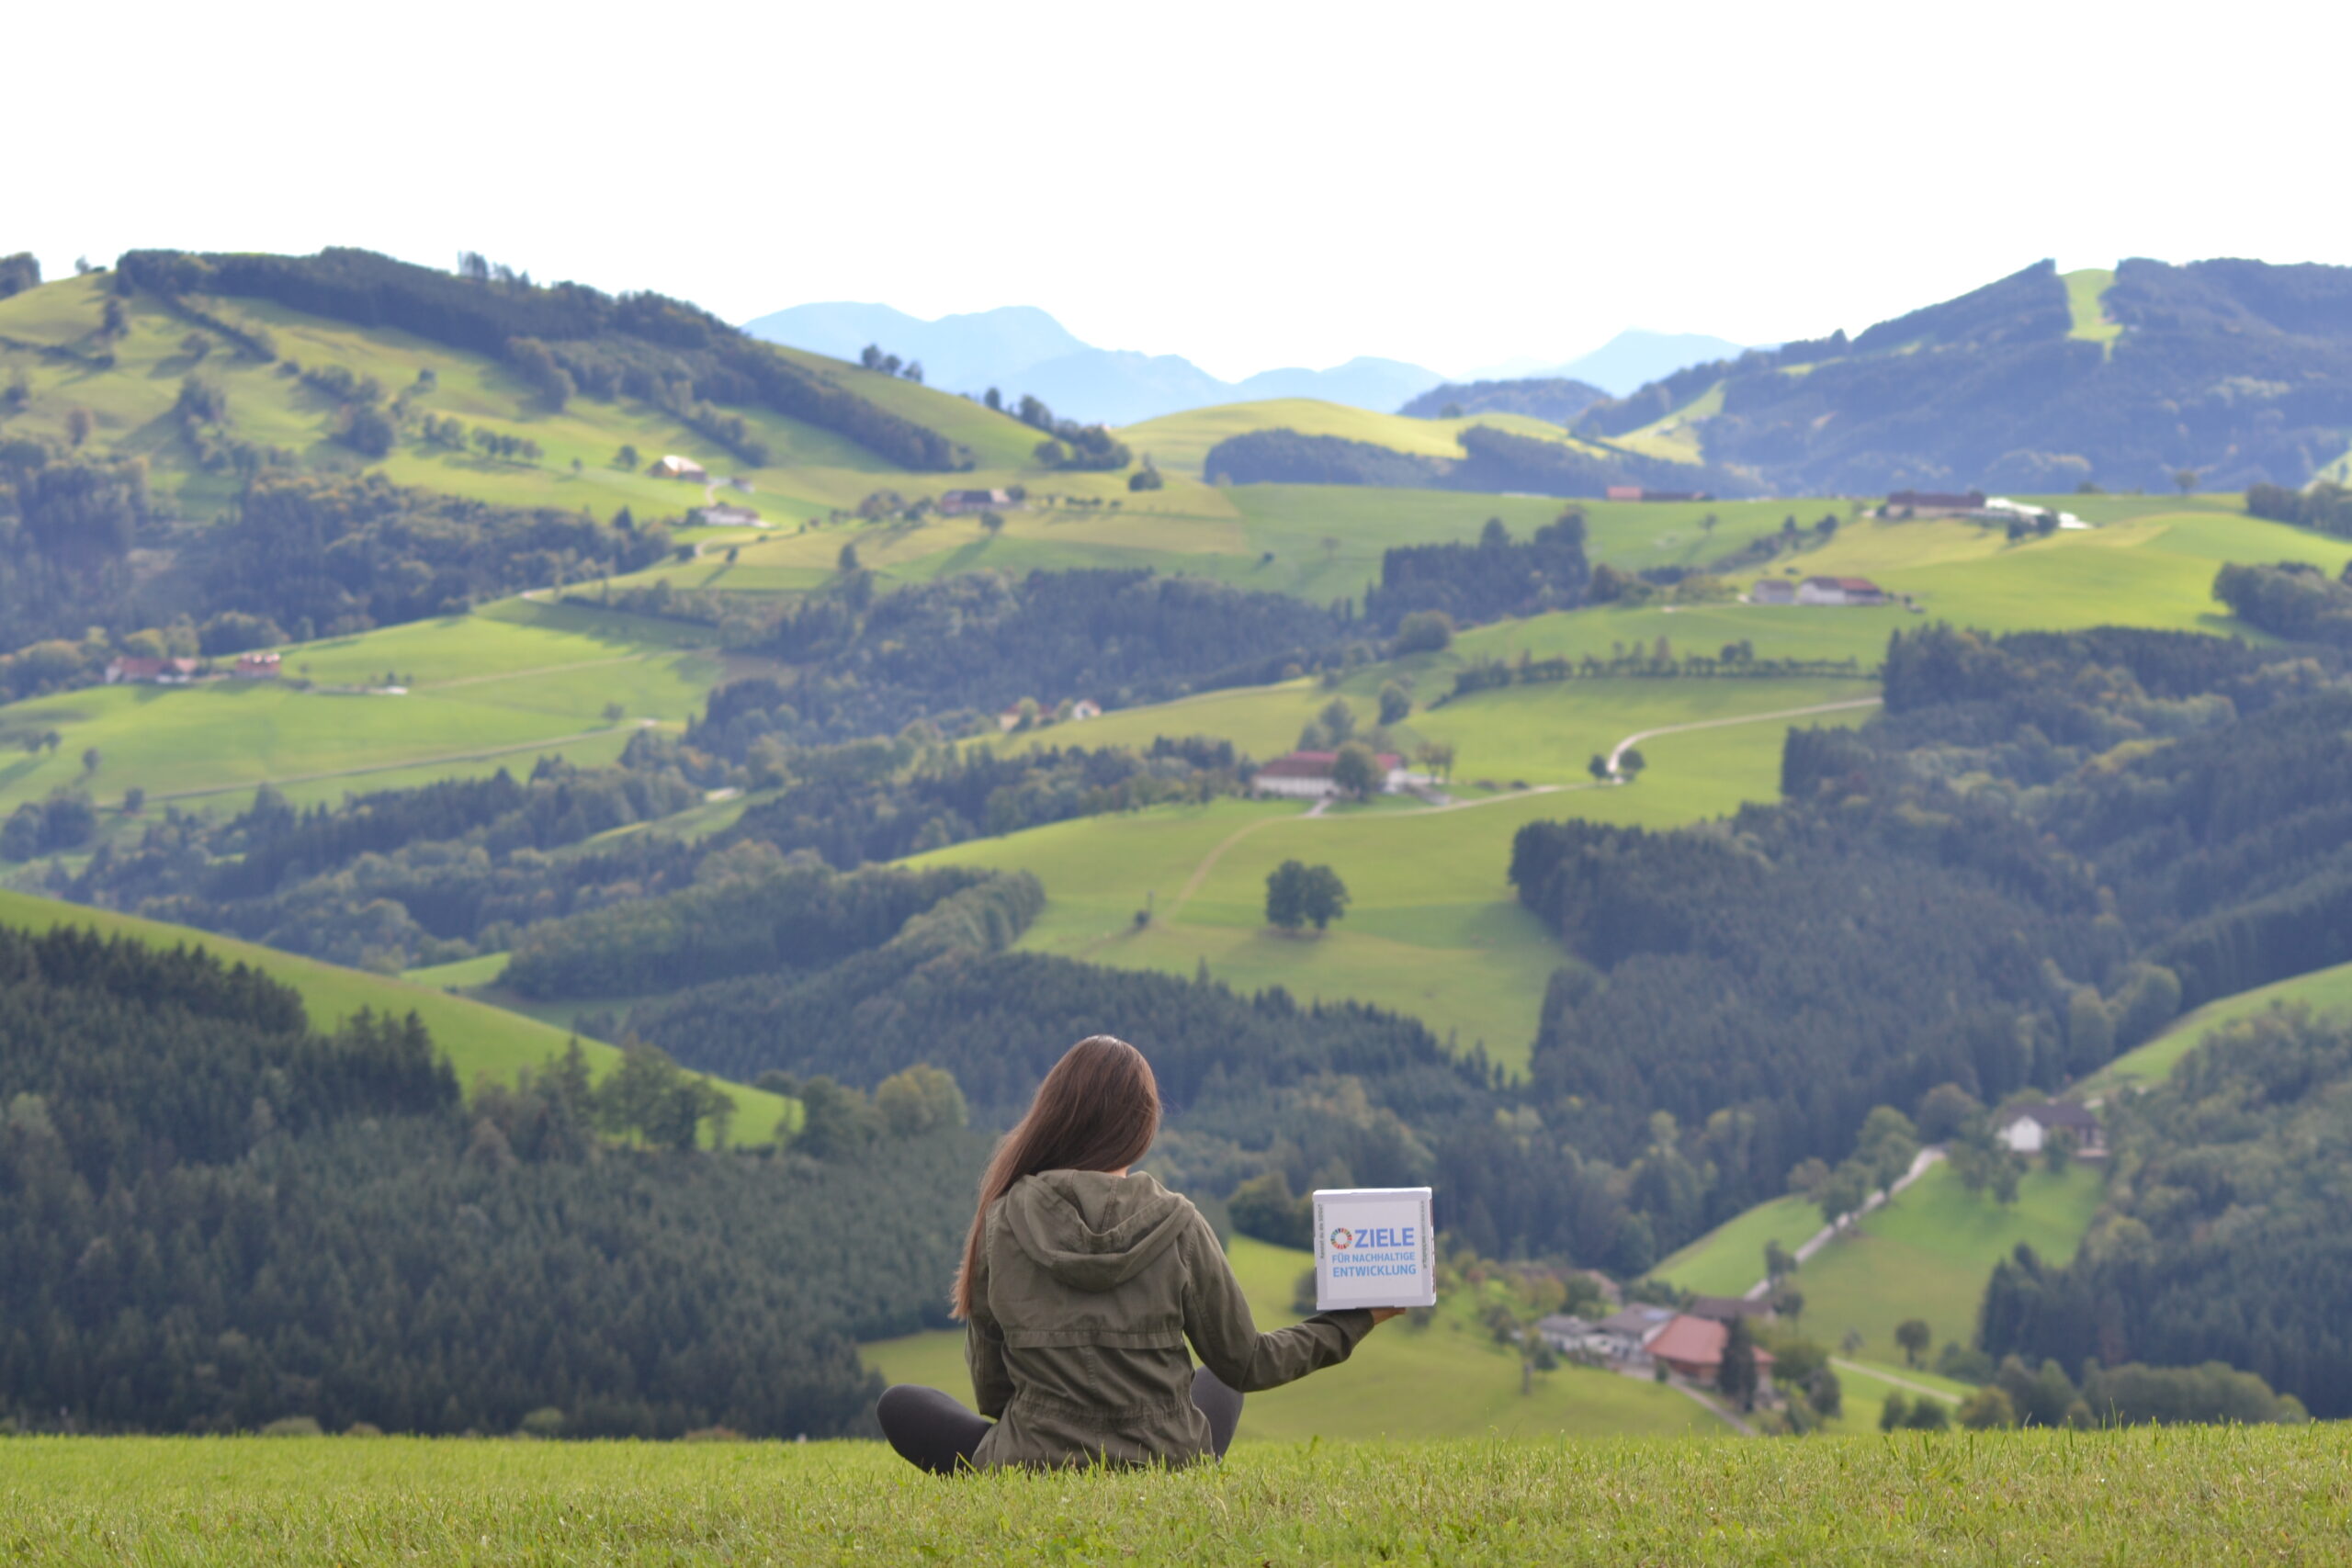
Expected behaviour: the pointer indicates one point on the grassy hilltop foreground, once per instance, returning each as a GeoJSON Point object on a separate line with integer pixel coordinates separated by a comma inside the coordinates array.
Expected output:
{"type": "Point", "coordinates": [2212, 1496]}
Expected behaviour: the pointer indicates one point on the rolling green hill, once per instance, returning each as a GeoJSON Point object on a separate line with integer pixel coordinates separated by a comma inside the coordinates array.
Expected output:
{"type": "Point", "coordinates": [1434, 930]}
{"type": "Point", "coordinates": [1927, 1255]}
{"type": "Point", "coordinates": [1178, 441]}
{"type": "Point", "coordinates": [2323, 990]}
{"type": "Point", "coordinates": [493, 689]}
{"type": "Point", "coordinates": [50, 335]}
{"type": "Point", "coordinates": [1924, 1255]}
{"type": "Point", "coordinates": [1449, 1378]}
{"type": "Point", "coordinates": [479, 1041]}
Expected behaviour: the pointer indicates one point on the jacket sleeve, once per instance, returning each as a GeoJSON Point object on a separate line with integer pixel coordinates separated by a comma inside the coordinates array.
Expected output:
{"type": "Point", "coordinates": [1217, 1322]}
{"type": "Point", "coordinates": [984, 1349]}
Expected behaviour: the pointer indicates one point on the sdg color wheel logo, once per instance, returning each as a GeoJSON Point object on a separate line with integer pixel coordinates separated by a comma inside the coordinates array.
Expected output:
{"type": "Point", "coordinates": [1342, 1239]}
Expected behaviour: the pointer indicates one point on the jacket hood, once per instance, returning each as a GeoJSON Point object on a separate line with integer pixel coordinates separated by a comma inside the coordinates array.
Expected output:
{"type": "Point", "coordinates": [1091, 1230]}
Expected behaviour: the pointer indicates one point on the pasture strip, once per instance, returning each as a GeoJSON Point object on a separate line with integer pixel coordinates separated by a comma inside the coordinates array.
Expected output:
{"type": "Point", "coordinates": [406, 762]}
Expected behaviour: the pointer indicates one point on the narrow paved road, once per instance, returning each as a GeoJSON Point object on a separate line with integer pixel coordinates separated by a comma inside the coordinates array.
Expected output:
{"type": "Point", "coordinates": [1632, 740]}
{"type": "Point", "coordinates": [1827, 1233]}
{"type": "Point", "coordinates": [1889, 1377]}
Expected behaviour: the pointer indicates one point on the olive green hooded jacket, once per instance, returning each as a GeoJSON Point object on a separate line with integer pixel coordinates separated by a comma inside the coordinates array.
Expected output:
{"type": "Point", "coordinates": [1089, 1286]}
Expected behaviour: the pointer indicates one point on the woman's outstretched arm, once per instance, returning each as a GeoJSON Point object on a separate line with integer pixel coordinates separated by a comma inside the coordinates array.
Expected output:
{"type": "Point", "coordinates": [1225, 1336]}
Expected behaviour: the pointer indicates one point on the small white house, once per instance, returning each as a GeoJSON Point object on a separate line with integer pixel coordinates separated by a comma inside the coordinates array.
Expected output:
{"type": "Point", "coordinates": [2026, 1129]}
{"type": "Point", "coordinates": [1625, 1335]}
{"type": "Point", "coordinates": [1306, 775]}
{"type": "Point", "coordinates": [1839, 591]}
{"type": "Point", "coordinates": [672, 467]}
{"type": "Point", "coordinates": [726, 516]}
{"type": "Point", "coordinates": [1571, 1335]}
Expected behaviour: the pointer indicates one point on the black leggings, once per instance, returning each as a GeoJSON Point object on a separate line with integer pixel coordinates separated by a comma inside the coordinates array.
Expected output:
{"type": "Point", "coordinates": [935, 1433]}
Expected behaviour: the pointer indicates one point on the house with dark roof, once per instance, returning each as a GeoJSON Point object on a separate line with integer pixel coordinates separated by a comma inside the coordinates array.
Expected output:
{"type": "Point", "coordinates": [1571, 1335]}
{"type": "Point", "coordinates": [2026, 1129]}
{"type": "Point", "coordinates": [1931, 503]}
{"type": "Point", "coordinates": [1625, 1334]}
{"type": "Point", "coordinates": [1839, 591]}
{"type": "Point", "coordinates": [137, 668]}
{"type": "Point", "coordinates": [954, 502]}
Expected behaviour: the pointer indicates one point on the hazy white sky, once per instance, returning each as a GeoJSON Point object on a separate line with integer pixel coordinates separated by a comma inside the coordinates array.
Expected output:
{"type": "Point", "coordinates": [1249, 185]}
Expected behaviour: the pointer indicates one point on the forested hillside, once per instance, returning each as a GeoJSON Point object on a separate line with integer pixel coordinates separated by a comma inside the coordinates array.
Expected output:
{"type": "Point", "coordinates": [2227, 1237]}
{"type": "Point", "coordinates": [300, 556]}
{"type": "Point", "coordinates": [967, 647]}
{"type": "Point", "coordinates": [568, 339]}
{"type": "Point", "coordinates": [2044, 849]}
{"type": "Point", "coordinates": [2238, 372]}
{"type": "Point", "coordinates": [213, 1218]}
{"type": "Point", "coordinates": [1555, 398]}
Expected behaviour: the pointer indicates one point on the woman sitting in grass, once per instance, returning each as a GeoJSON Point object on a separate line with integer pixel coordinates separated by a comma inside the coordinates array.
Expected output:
{"type": "Point", "coordinates": [1081, 1283]}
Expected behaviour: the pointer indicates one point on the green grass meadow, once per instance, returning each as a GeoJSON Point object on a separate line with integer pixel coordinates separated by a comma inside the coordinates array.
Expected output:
{"type": "Point", "coordinates": [479, 1041]}
{"type": "Point", "coordinates": [484, 690]}
{"type": "Point", "coordinates": [1925, 1256]}
{"type": "Point", "coordinates": [2218, 1495]}
{"type": "Point", "coordinates": [1434, 929]}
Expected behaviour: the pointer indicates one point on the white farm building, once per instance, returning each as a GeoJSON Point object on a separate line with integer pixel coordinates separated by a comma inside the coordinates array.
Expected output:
{"type": "Point", "coordinates": [1306, 775]}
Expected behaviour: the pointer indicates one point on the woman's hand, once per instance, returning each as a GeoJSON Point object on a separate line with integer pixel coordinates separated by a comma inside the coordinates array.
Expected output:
{"type": "Point", "coordinates": [1382, 1315]}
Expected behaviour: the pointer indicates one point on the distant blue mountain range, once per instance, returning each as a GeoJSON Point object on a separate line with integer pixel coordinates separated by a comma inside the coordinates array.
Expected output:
{"type": "Point", "coordinates": [1019, 348]}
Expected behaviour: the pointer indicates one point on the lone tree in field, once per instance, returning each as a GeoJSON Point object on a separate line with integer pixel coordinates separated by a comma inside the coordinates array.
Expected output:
{"type": "Point", "coordinates": [1357, 770]}
{"type": "Point", "coordinates": [1778, 1264]}
{"type": "Point", "coordinates": [1297, 893]}
{"type": "Point", "coordinates": [847, 560]}
{"type": "Point", "coordinates": [1630, 766]}
{"type": "Point", "coordinates": [1913, 1335]}
{"type": "Point", "coordinates": [2185, 480]}
{"type": "Point", "coordinates": [1598, 768]}
{"type": "Point", "coordinates": [1327, 896]}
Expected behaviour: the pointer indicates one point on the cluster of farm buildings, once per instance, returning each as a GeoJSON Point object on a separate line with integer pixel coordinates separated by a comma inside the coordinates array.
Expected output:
{"type": "Point", "coordinates": [1686, 1341]}
{"type": "Point", "coordinates": [140, 670]}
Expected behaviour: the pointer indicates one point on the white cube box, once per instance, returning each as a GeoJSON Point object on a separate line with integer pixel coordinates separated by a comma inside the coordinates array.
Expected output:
{"type": "Point", "coordinates": [1373, 1248]}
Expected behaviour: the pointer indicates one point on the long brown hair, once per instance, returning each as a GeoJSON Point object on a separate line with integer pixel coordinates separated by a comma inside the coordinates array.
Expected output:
{"type": "Point", "coordinates": [1098, 1110]}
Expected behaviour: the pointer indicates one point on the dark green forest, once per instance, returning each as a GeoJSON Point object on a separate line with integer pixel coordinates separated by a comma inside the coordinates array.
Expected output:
{"type": "Point", "coordinates": [2227, 1236]}
{"type": "Point", "coordinates": [2291, 600]}
{"type": "Point", "coordinates": [393, 878]}
{"type": "Point", "coordinates": [1498, 576]}
{"type": "Point", "coordinates": [212, 1217]}
{"type": "Point", "coordinates": [1949, 894]}
{"type": "Point", "coordinates": [963, 648]}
